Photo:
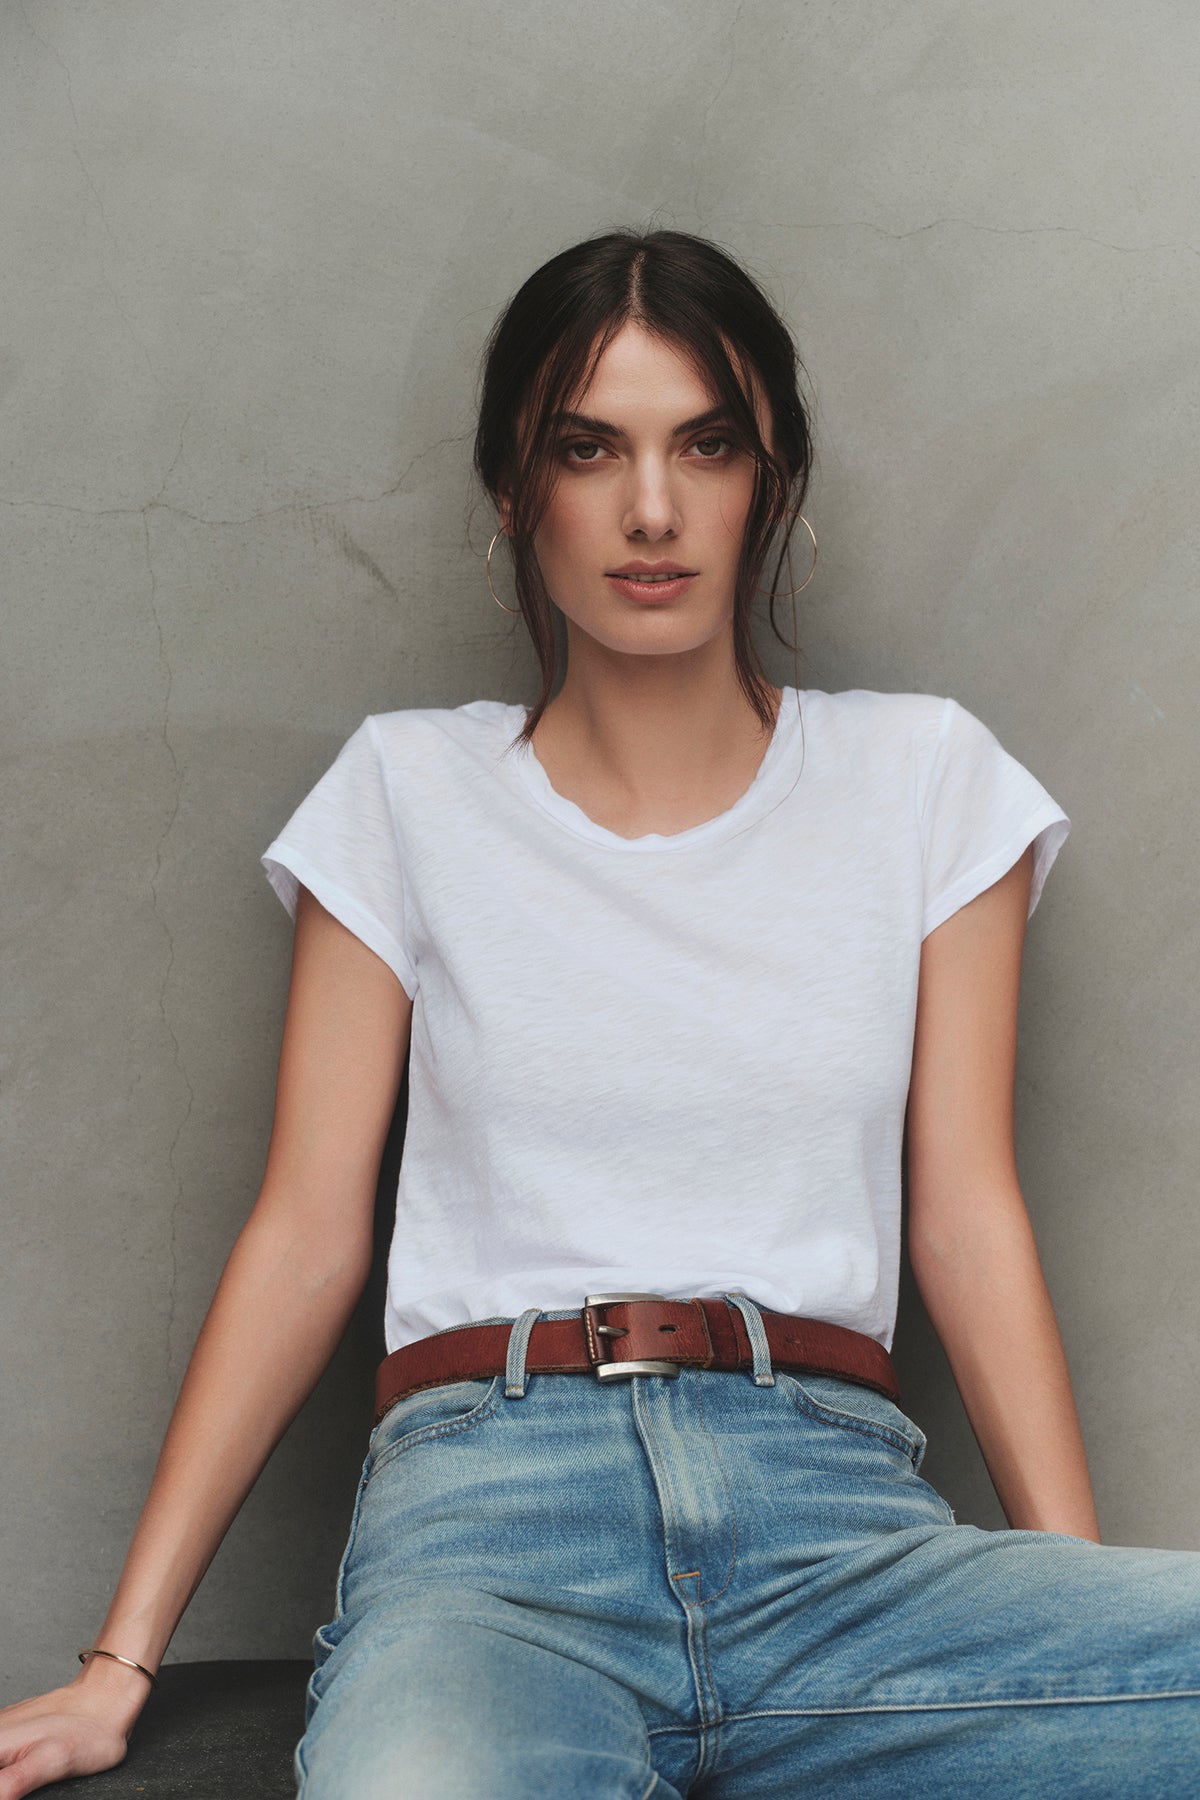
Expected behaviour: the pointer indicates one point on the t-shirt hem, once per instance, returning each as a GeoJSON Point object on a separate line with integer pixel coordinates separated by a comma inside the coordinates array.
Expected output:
{"type": "Point", "coordinates": [1039, 825]}
{"type": "Point", "coordinates": [286, 868]}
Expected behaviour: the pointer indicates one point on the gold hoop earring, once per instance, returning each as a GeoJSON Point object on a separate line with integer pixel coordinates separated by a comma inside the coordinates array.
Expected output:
{"type": "Point", "coordinates": [488, 572]}
{"type": "Point", "coordinates": [792, 592]}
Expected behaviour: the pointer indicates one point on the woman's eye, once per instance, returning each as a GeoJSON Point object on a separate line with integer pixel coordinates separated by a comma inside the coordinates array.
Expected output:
{"type": "Point", "coordinates": [583, 451]}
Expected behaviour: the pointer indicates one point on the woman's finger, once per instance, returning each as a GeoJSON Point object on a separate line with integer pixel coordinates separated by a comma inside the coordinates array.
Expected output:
{"type": "Point", "coordinates": [34, 1765]}
{"type": "Point", "coordinates": [46, 1752]}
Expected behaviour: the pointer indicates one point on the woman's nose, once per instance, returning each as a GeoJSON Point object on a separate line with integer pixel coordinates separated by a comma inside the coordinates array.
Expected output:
{"type": "Point", "coordinates": [651, 506]}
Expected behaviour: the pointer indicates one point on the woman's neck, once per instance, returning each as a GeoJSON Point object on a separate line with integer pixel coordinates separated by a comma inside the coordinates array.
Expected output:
{"type": "Point", "coordinates": [642, 755]}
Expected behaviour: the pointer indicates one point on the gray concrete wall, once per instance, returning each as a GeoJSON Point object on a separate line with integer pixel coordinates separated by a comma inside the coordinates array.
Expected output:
{"type": "Point", "coordinates": [250, 258]}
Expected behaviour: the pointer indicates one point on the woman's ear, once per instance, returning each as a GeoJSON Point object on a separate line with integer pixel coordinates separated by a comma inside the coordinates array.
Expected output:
{"type": "Point", "coordinates": [504, 507]}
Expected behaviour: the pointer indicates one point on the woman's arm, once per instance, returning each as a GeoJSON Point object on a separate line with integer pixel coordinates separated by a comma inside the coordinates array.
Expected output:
{"type": "Point", "coordinates": [282, 1304]}
{"type": "Point", "coordinates": [970, 1241]}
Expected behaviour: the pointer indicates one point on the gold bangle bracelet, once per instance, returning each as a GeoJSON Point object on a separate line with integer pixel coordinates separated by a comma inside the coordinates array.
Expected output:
{"type": "Point", "coordinates": [127, 1660]}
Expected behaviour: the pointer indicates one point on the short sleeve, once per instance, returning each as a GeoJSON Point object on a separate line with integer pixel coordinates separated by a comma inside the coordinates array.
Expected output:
{"type": "Point", "coordinates": [980, 810]}
{"type": "Point", "coordinates": [341, 843]}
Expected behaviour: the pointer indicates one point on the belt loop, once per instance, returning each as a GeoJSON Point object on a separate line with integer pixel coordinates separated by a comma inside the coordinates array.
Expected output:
{"type": "Point", "coordinates": [518, 1344]}
{"type": "Point", "coordinates": [756, 1331]}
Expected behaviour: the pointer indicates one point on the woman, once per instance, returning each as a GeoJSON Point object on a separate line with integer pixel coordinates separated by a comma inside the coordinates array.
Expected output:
{"type": "Point", "coordinates": [679, 955]}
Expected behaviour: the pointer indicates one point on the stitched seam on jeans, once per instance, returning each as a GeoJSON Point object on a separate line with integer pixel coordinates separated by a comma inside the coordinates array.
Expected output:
{"type": "Point", "coordinates": [732, 1511]}
{"type": "Point", "coordinates": [446, 1428]}
{"type": "Point", "coordinates": [847, 1421]}
{"type": "Point", "coordinates": [804, 1712]}
{"type": "Point", "coordinates": [339, 1586]}
{"type": "Point", "coordinates": [715, 1721]}
{"type": "Point", "coordinates": [947, 1510]}
{"type": "Point", "coordinates": [828, 1415]}
{"type": "Point", "coordinates": [423, 1387]}
{"type": "Point", "coordinates": [710, 1728]}
{"type": "Point", "coordinates": [665, 1487]}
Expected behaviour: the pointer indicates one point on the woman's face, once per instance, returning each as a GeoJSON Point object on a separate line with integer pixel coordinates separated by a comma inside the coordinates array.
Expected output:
{"type": "Point", "coordinates": [646, 474]}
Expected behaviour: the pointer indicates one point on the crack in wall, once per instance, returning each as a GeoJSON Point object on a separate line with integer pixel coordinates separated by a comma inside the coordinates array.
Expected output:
{"type": "Point", "coordinates": [267, 512]}
{"type": "Point", "coordinates": [970, 225]}
{"type": "Point", "coordinates": [157, 499]}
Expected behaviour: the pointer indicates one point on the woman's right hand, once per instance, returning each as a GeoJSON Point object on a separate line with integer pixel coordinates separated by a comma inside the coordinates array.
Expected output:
{"type": "Point", "coordinates": [77, 1729]}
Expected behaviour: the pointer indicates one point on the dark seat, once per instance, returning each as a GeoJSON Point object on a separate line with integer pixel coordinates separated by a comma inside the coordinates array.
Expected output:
{"type": "Point", "coordinates": [210, 1731]}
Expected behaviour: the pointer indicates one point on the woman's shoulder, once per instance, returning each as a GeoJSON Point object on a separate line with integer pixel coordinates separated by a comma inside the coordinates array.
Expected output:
{"type": "Point", "coordinates": [879, 717]}
{"type": "Point", "coordinates": [470, 726]}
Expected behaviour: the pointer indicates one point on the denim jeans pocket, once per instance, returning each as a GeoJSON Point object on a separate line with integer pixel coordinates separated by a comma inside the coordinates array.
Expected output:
{"type": "Point", "coordinates": [851, 1407]}
{"type": "Point", "coordinates": [432, 1412]}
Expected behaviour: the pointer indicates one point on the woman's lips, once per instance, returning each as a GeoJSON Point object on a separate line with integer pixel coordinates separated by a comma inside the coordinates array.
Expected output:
{"type": "Point", "coordinates": [651, 592]}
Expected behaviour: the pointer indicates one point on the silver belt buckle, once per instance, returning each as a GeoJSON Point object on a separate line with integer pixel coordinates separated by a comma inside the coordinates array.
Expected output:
{"type": "Point", "coordinates": [617, 1371]}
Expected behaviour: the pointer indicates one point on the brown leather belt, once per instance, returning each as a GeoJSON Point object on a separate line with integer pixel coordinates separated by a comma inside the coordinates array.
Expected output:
{"type": "Point", "coordinates": [615, 1336]}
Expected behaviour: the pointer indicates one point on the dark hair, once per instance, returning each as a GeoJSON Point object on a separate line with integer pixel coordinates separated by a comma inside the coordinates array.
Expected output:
{"type": "Point", "coordinates": [542, 353]}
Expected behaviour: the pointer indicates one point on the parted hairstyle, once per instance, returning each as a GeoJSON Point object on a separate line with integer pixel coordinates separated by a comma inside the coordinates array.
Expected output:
{"type": "Point", "coordinates": [542, 353]}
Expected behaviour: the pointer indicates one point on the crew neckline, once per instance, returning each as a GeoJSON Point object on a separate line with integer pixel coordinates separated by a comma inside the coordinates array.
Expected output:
{"type": "Point", "coordinates": [776, 769]}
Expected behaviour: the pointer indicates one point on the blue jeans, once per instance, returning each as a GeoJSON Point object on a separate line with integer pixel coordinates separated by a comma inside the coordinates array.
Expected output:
{"type": "Point", "coordinates": [729, 1585]}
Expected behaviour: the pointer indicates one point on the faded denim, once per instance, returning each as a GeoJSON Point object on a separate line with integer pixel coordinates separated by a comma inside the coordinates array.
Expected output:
{"type": "Point", "coordinates": [733, 1586]}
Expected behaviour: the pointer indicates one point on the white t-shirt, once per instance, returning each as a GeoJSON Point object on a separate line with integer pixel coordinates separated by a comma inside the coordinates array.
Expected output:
{"type": "Point", "coordinates": [670, 1064]}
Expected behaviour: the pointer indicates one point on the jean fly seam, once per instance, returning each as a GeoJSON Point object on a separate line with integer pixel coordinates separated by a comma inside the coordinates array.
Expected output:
{"type": "Point", "coordinates": [709, 1741]}
{"type": "Point", "coordinates": [709, 1751]}
{"type": "Point", "coordinates": [665, 1492]}
{"type": "Point", "coordinates": [663, 1489]}
{"type": "Point", "coordinates": [728, 1495]}
{"type": "Point", "coordinates": [713, 1725]}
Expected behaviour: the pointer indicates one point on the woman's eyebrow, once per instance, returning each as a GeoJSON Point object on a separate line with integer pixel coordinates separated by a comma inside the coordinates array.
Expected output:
{"type": "Point", "coordinates": [585, 422]}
